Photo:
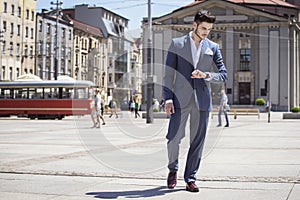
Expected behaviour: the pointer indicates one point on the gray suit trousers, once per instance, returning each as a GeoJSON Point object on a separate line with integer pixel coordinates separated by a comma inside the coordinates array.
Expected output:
{"type": "Point", "coordinates": [198, 128]}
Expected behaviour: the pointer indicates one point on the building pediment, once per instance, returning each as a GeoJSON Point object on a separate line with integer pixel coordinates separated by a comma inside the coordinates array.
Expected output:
{"type": "Point", "coordinates": [225, 12]}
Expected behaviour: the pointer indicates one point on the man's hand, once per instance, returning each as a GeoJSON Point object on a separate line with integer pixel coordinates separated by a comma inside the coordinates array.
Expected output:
{"type": "Point", "coordinates": [198, 74]}
{"type": "Point", "coordinates": [169, 108]}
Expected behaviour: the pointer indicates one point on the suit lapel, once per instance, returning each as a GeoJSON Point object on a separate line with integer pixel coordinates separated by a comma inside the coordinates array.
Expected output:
{"type": "Point", "coordinates": [203, 49]}
{"type": "Point", "coordinates": [187, 49]}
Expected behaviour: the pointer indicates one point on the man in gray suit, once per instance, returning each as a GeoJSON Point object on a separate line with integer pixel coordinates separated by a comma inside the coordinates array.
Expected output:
{"type": "Point", "coordinates": [188, 73]}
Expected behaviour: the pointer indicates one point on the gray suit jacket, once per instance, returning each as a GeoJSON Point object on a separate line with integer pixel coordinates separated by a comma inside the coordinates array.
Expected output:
{"type": "Point", "coordinates": [178, 84]}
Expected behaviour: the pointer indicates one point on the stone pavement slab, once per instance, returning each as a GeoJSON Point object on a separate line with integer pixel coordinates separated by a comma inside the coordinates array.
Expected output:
{"type": "Point", "coordinates": [126, 159]}
{"type": "Point", "coordinates": [18, 186]}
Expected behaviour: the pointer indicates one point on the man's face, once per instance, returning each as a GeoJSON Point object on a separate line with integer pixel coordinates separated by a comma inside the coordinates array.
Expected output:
{"type": "Point", "coordinates": [203, 29]}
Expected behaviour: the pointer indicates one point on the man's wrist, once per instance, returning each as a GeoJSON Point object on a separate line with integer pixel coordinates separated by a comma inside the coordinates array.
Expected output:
{"type": "Point", "coordinates": [207, 76]}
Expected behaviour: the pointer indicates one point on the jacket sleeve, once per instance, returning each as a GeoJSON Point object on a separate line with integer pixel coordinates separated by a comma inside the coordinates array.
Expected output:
{"type": "Point", "coordinates": [221, 76]}
{"type": "Point", "coordinates": [169, 76]}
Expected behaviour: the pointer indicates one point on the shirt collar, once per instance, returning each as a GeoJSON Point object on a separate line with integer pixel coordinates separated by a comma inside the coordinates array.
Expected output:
{"type": "Point", "coordinates": [193, 41]}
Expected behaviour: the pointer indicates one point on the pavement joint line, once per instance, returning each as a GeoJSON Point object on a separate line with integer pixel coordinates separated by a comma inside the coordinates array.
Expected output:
{"type": "Point", "coordinates": [46, 159]}
{"type": "Point", "coordinates": [293, 180]}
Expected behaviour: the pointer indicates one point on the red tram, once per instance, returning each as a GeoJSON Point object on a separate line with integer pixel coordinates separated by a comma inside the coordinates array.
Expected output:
{"type": "Point", "coordinates": [45, 99]}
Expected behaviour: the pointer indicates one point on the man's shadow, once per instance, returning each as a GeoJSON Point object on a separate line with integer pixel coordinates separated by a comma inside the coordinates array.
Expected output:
{"type": "Point", "coordinates": [158, 191]}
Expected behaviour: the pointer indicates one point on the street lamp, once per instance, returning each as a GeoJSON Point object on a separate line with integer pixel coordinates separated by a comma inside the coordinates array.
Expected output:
{"type": "Point", "coordinates": [58, 9]}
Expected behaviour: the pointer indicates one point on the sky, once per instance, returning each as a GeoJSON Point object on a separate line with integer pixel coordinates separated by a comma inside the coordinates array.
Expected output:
{"type": "Point", "coordinates": [134, 10]}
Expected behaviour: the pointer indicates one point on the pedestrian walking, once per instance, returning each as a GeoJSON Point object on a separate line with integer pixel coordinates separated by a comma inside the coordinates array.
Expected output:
{"type": "Point", "coordinates": [102, 110]}
{"type": "Point", "coordinates": [136, 107]}
{"type": "Point", "coordinates": [224, 107]}
{"type": "Point", "coordinates": [113, 108]}
{"type": "Point", "coordinates": [96, 113]}
{"type": "Point", "coordinates": [187, 93]}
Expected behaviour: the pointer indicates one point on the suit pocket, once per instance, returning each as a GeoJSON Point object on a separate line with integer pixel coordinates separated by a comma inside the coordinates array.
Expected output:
{"type": "Point", "coordinates": [206, 63]}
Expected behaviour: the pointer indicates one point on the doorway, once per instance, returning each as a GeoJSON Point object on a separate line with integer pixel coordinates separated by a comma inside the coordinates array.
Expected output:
{"type": "Point", "coordinates": [244, 94]}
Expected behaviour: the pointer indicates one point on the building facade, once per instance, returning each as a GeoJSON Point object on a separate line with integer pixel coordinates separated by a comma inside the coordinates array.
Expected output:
{"type": "Point", "coordinates": [54, 44]}
{"type": "Point", "coordinates": [17, 22]}
{"type": "Point", "coordinates": [259, 41]}
{"type": "Point", "coordinates": [119, 46]}
{"type": "Point", "coordinates": [90, 54]}
{"type": "Point", "coordinates": [136, 68]}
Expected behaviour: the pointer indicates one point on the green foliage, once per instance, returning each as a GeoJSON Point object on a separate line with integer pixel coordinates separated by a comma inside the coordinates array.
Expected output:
{"type": "Point", "coordinates": [260, 102]}
{"type": "Point", "coordinates": [155, 110]}
{"type": "Point", "coordinates": [295, 109]}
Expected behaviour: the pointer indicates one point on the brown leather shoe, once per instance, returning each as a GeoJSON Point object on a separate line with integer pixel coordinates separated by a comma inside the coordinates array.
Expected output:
{"type": "Point", "coordinates": [172, 180]}
{"type": "Point", "coordinates": [192, 187]}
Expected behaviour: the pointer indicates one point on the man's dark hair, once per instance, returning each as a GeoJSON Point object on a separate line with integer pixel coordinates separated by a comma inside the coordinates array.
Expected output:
{"type": "Point", "coordinates": [204, 16]}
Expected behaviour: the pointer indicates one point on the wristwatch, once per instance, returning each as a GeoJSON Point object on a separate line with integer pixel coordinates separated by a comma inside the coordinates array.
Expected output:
{"type": "Point", "coordinates": [207, 75]}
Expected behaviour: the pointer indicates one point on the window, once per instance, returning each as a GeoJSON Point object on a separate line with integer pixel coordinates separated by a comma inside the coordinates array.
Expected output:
{"type": "Point", "coordinates": [26, 32]}
{"type": "Point", "coordinates": [18, 30]}
{"type": "Point", "coordinates": [17, 72]}
{"type": "Point", "coordinates": [11, 28]}
{"type": "Point", "coordinates": [76, 40]}
{"type": "Point", "coordinates": [76, 60]}
{"type": "Point", "coordinates": [12, 9]}
{"type": "Point", "coordinates": [19, 11]}
{"type": "Point", "coordinates": [47, 73]}
{"type": "Point", "coordinates": [69, 53]}
{"type": "Point", "coordinates": [48, 49]}
{"type": "Point", "coordinates": [39, 48]}
{"type": "Point", "coordinates": [245, 58]}
{"type": "Point", "coordinates": [5, 7]}
{"type": "Point", "coordinates": [63, 52]}
{"type": "Point", "coordinates": [10, 73]}
{"type": "Point", "coordinates": [70, 34]}
{"type": "Point", "coordinates": [3, 46]}
{"type": "Point", "coordinates": [3, 73]}
{"type": "Point", "coordinates": [31, 51]}
{"type": "Point", "coordinates": [48, 28]}
{"type": "Point", "coordinates": [32, 16]}
{"type": "Point", "coordinates": [27, 14]}
{"type": "Point", "coordinates": [39, 72]}
{"type": "Point", "coordinates": [245, 52]}
{"type": "Point", "coordinates": [18, 50]}
{"type": "Point", "coordinates": [4, 26]}
{"type": "Point", "coordinates": [31, 33]}
{"type": "Point", "coordinates": [40, 26]}
{"type": "Point", "coordinates": [63, 30]}
{"type": "Point", "coordinates": [11, 48]}
{"type": "Point", "coordinates": [26, 50]}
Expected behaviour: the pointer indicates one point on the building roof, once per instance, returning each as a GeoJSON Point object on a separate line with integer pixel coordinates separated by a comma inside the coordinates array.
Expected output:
{"type": "Point", "coordinates": [265, 2]}
{"type": "Point", "coordinates": [252, 2]}
{"type": "Point", "coordinates": [86, 28]}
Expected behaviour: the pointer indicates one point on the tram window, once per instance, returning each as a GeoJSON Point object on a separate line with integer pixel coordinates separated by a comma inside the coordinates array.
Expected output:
{"type": "Point", "coordinates": [67, 93]}
{"type": "Point", "coordinates": [32, 93]}
{"type": "Point", "coordinates": [39, 93]}
{"type": "Point", "coordinates": [24, 93]}
{"type": "Point", "coordinates": [18, 93]}
{"type": "Point", "coordinates": [80, 93]}
{"type": "Point", "coordinates": [51, 93]}
{"type": "Point", "coordinates": [6, 93]}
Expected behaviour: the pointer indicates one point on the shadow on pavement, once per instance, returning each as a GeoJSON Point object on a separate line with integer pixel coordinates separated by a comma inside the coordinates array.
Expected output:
{"type": "Point", "coordinates": [158, 191]}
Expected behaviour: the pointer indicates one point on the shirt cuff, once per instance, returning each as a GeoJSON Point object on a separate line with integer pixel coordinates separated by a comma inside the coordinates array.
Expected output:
{"type": "Point", "coordinates": [169, 101]}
